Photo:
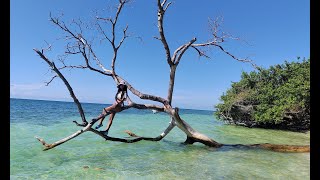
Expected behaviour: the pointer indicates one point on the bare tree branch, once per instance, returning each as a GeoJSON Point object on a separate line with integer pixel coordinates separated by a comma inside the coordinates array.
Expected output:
{"type": "Point", "coordinates": [142, 95]}
{"type": "Point", "coordinates": [218, 38]}
{"type": "Point", "coordinates": [193, 135]}
{"type": "Point", "coordinates": [72, 49]}
{"type": "Point", "coordinates": [176, 60]}
{"type": "Point", "coordinates": [144, 106]}
{"type": "Point", "coordinates": [171, 83]}
{"type": "Point", "coordinates": [105, 19]}
{"type": "Point", "coordinates": [113, 34]}
{"type": "Point", "coordinates": [54, 68]}
{"type": "Point", "coordinates": [228, 53]}
{"type": "Point", "coordinates": [78, 23]}
{"type": "Point", "coordinates": [163, 3]}
{"type": "Point", "coordinates": [200, 52]}
{"type": "Point", "coordinates": [158, 138]}
{"type": "Point", "coordinates": [165, 8]}
{"type": "Point", "coordinates": [88, 127]}
{"type": "Point", "coordinates": [102, 31]}
{"type": "Point", "coordinates": [81, 46]}
{"type": "Point", "coordinates": [86, 58]}
{"type": "Point", "coordinates": [48, 48]}
{"type": "Point", "coordinates": [62, 25]}
{"type": "Point", "coordinates": [96, 59]}
{"type": "Point", "coordinates": [47, 83]}
{"type": "Point", "coordinates": [124, 36]}
{"type": "Point", "coordinates": [161, 13]}
{"type": "Point", "coordinates": [157, 38]}
{"type": "Point", "coordinates": [82, 50]}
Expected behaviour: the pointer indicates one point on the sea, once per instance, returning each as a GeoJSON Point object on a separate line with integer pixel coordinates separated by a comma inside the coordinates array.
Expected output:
{"type": "Point", "coordinates": [89, 156]}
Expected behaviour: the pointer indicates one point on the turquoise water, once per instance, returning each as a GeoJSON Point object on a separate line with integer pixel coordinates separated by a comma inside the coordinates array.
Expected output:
{"type": "Point", "coordinates": [90, 157]}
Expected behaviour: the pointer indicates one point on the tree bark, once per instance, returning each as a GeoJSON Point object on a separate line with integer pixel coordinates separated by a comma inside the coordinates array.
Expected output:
{"type": "Point", "coordinates": [192, 134]}
{"type": "Point", "coordinates": [171, 82]}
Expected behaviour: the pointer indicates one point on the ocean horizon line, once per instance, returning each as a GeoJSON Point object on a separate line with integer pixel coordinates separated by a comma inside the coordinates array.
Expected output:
{"type": "Point", "coordinates": [64, 101]}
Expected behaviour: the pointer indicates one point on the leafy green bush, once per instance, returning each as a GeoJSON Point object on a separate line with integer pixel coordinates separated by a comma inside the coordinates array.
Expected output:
{"type": "Point", "coordinates": [278, 97]}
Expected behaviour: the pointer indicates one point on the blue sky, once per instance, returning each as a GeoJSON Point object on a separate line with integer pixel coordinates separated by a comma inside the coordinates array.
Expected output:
{"type": "Point", "coordinates": [274, 31]}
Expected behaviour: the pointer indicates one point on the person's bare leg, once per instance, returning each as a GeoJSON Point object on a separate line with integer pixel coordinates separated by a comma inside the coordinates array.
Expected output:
{"type": "Point", "coordinates": [103, 114]}
{"type": "Point", "coordinates": [109, 124]}
{"type": "Point", "coordinates": [113, 111]}
{"type": "Point", "coordinates": [110, 121]}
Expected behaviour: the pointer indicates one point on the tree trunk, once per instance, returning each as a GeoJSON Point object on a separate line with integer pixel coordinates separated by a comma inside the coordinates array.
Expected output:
{"type": "Point", "coordinates": [193, 135]}
{"type": "Point", "coordinates": [171, 82]}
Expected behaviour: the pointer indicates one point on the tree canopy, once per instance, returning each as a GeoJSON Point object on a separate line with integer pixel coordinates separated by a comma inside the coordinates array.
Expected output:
{"type": "Point", "coordinates": [277, 97]}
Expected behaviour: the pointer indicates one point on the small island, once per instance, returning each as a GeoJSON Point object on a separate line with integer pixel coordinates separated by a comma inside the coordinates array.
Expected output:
{"type": "Point", "coordinates": [275, 98]}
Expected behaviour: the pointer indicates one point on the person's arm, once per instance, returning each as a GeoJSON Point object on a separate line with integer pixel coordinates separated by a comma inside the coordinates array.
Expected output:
{"type": "Point", "coordinates": [121, 100]}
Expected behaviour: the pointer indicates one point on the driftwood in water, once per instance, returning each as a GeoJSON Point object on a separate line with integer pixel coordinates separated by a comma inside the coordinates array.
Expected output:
{"type": "Point", "coordinates": [78, 45]}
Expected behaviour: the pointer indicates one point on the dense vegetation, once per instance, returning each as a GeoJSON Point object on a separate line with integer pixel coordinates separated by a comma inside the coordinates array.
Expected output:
{"type": "Point", "coordinates": [277, 97]}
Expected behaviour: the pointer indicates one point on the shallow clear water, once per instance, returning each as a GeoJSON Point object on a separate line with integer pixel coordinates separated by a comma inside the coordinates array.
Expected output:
{"type": "Point", "coordinates": [166, 159]}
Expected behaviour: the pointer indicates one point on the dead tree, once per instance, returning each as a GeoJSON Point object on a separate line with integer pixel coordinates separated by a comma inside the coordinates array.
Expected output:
{"type": "Point", "coordinates": [79, 45]}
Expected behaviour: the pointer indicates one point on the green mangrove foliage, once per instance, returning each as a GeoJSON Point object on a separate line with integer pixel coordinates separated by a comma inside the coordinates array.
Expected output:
{"type": "Point", "coordinates": [277, 97]}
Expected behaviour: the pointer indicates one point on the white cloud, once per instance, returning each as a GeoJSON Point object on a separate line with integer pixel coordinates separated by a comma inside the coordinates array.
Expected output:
{"type": "Point", "coordinates": [32, 91]}
{"type": "Point", "coordinates": [24, 87]}
{"type": "Point", "coordinates": [58, 92]}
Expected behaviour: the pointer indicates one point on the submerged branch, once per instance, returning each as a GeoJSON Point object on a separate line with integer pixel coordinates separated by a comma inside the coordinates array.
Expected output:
{"type": "Point", "coordinates": [108, 138]}
{"type": "Point", "coordinates": [158, 138]}
{"type": "Point", "coordinates": [275, 147]}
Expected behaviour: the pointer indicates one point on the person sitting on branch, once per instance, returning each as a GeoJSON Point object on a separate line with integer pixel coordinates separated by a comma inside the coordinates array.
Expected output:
{"type": "Point", "coordinates": [120, 97]}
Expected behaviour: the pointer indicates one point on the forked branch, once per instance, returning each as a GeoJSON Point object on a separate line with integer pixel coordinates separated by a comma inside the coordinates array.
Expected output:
{"type": "Point", "coordinates": [112, 39]}
{"type": "Point", "coordinates": [161, 12]}
{"type": "Point", "coordinates": [79, 46]}
{"type": "Point", "coordinates": [88, 127]}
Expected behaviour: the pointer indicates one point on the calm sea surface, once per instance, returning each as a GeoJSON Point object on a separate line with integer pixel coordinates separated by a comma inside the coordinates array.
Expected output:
{"type": "Point", "coordinates": [88, 156]}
